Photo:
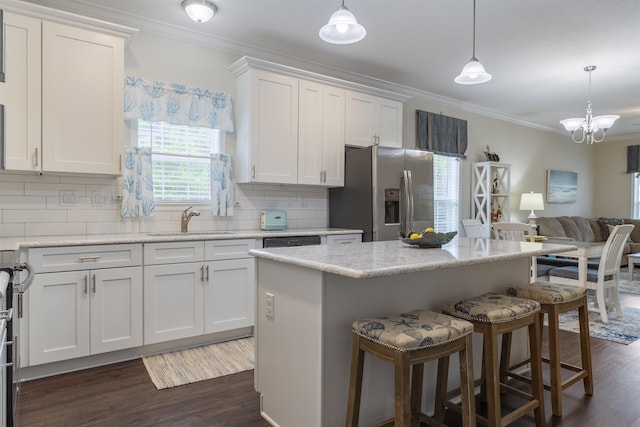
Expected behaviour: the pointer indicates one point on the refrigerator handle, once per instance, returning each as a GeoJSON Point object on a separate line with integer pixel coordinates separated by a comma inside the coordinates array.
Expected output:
{"type": "Point", "coordinates": [406, 221]}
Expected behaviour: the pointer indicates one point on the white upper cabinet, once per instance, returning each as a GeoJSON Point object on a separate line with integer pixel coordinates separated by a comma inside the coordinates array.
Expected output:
{"type": "Point", "coordinates": [293, 125]}
{"type": "Point", "coordinates": [21, 93]}
{"type": "Point", "coordinates": [63, 97]}
{"type": "Point", "coordinates": [321, 134]}
{"type": "Point", "coordinates": [372, 120]}
{"type": "Point", "coordinates": [267, 123]}
{"type": "Point", "coordinates": [82, 100]}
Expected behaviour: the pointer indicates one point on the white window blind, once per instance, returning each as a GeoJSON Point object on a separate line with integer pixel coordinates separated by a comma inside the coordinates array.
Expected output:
{"type": "Point", "coordinates": [636, 195]}
{"type": "Point", "coordinates": [181, 160]}
{"type": "Point", "coordinates": [446, 193]}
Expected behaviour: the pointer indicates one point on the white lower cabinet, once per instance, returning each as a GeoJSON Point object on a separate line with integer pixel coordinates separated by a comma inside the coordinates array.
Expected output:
{"type": "Point", "coordinates": [213, 293]}
{"type": "Point", "coordinates": [84, 300]}
{"type": "Point", "coordinates": [229, 295]}
{"type": "Point", "coordinates": [173, 295]}
{"type": "Point", "coordinates": [79, 313]}
{"type": "Point", "coordinates": [343, 239]}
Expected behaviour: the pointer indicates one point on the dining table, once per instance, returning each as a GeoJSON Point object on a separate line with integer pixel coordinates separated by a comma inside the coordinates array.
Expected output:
{"type": "Point", "coordinates": [582, 251]}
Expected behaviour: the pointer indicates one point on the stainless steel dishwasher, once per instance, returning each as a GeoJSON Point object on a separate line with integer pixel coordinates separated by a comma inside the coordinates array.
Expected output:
{"type": "Point", "coordinates": [286, 241]}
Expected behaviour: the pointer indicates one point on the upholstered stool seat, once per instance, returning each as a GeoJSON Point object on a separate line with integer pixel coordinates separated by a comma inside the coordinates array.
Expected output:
{"type": "Point", "coordinates": [555, 299]}
{"type": "Point", "coordinates": [492, 314]}
{"type": "Point", "coordinates": [408, 340]}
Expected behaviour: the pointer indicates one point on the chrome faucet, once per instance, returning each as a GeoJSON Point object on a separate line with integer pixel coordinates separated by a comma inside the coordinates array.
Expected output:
{"type": "Point", "coordinates": [186, 217]}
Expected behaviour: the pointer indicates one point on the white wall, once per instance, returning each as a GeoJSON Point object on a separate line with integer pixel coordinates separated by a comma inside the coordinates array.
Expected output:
{"type": "Point", "coordinates": [612, 185]}
{"type": "Point", "coordinates": [530, 152]}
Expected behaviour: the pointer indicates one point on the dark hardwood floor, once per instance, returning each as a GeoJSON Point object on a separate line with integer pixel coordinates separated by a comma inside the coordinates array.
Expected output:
{"type": "Point", "coordinates": [123, 395]}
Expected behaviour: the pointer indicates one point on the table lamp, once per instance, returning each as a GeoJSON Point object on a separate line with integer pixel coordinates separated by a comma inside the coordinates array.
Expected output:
{"type": "Point", "coordinates": [531, 201]}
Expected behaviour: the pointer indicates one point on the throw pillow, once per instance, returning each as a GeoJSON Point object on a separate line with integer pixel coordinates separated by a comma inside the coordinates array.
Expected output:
{"type": "Point", "coordinates": [604, 224]}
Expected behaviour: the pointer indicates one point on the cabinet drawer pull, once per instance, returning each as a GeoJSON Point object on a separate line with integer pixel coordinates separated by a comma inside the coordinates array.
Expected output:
{"type": "Point", "coordinates": [88, 258]}
{"type": "Point", "coordinates": [94, 283]}
{"type": "Point", "coordinates": [86, 286]}
{"type": "Point", "coordinates": [207, 273]}
{"type": "Point", "coordinates": [202, 273]}
{"type": "Point", "coordinates": [36, 157]}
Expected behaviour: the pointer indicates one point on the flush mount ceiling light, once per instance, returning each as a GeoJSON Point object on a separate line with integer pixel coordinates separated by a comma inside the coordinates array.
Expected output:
{"type": "Point", "coordinates": [199, 10]}
{"type": "Point", "coordinates": [342, 28]}
{"type": "Point", "coordinates": [473, 72]}
{"type": "Point", "coordinates": [589, 125]}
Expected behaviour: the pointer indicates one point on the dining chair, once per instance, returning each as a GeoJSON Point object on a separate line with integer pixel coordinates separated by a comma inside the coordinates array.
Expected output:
{"type": "Point", "coordinates": [604, 279]}
{"type": "Point", "coordinates": [515, 231]}
{"type": "Point", "coordinates": [473, 228]}
{"type": "Point", "coordinates": [511, 230]}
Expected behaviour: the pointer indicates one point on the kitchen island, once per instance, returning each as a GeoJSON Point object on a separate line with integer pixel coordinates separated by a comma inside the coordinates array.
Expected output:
{"type": "Point", "coordinates": [308, 297]}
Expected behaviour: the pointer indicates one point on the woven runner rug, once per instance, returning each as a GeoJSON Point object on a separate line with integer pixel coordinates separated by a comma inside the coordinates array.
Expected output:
{"type": "Point", "coordinates": [200, 363]}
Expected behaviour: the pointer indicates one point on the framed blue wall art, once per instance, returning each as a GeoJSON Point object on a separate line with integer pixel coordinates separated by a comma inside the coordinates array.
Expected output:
{"type": "Point", "coordinates": [562, 186]}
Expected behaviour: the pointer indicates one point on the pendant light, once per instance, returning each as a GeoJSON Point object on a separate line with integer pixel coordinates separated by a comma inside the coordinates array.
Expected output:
{"type": "Point", "coordinates": [594, 129]}
{"type": "Point", "coordinates": [473, 72]}
{"type": "Point", "coordinates": [199, 10]}
{"type": "Point", "coordinates": [342, 28]}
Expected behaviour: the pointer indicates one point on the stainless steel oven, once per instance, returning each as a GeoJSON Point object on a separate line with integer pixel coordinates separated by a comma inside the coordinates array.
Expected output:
{"type": "Point", "coordinates": [13, 284]}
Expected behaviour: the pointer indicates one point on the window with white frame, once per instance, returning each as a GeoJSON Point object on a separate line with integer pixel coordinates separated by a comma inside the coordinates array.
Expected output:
{"type": "Point", "coordinates": [636, 195]}
{"type": "Point", "coordinates": [181, 160]}
{"type": "Point", "coordinates": [446, 193]}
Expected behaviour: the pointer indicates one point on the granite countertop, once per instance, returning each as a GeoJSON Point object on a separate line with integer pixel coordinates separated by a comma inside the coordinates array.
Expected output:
{"type": "Point", "coordinates": [20, 243]}
{"type": "Point", "coordinates": [377, 259]}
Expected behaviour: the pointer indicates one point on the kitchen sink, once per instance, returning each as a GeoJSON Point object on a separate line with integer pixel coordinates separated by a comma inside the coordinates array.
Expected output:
{"type": "Point", "coordinates": [187, 233]}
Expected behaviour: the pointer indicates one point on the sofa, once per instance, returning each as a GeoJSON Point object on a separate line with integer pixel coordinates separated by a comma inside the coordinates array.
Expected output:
{"type": "Point", "coordinates": [577, 228]}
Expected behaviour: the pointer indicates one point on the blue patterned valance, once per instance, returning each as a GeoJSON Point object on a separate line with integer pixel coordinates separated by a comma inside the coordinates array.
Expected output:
{"type": "Point", "coordinates": [177, 104]}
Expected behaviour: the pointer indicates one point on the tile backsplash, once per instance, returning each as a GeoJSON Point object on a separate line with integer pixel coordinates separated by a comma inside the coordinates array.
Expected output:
{"type": "Point", "coordinates": [33, 205]}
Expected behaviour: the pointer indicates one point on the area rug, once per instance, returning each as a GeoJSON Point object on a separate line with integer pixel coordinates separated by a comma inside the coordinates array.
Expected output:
{"type": "Point", "coordinates": [200, 363]}
{"type": "Point", "coordinates": [624, 331]}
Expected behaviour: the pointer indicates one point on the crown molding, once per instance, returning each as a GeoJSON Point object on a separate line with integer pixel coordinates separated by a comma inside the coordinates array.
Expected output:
{"type": "Point", "coordinates": [274, 60]}
{"type": "Point", "coordinates": [61, 16]}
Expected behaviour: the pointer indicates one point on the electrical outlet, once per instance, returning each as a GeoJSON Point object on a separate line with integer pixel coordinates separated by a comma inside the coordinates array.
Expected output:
{"type": "Point", "coordinates": [270, 306]}
{"type": "Point", "coordinates": [67, 198]}
{"type": "Point", "coordinates": [96, 199]}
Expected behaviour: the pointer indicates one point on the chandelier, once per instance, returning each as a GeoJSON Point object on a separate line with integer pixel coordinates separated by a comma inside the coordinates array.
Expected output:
{"type": "Point", "coordinates": [593, 129]}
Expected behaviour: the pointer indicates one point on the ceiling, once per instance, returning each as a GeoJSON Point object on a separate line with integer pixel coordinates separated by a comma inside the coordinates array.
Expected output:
{"type": "Point", "coordinates": [535, 49]}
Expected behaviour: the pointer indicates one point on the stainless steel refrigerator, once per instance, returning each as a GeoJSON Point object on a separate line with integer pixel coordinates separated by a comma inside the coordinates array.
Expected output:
{"type": "Point", "coordinates": [387, 192]}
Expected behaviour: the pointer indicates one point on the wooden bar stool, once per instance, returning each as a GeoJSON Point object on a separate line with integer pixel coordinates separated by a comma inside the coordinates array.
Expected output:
{"type": "Point", "coordinates": [409, 340]}
{"type": "Point", "coordinates": [492, 314]}
{"type": "Point", "coordinates": [555, 299]}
